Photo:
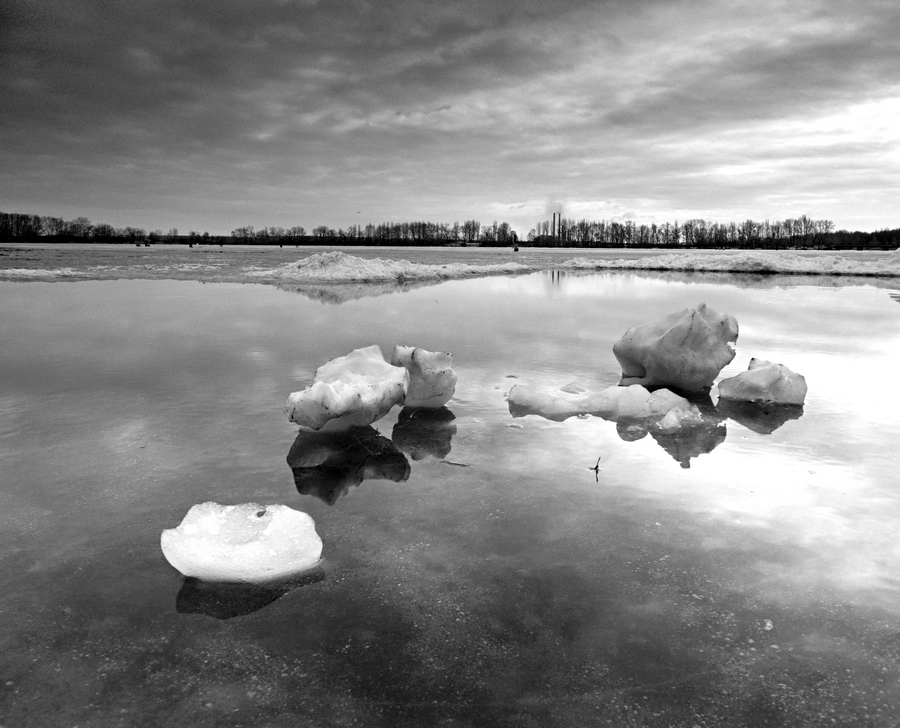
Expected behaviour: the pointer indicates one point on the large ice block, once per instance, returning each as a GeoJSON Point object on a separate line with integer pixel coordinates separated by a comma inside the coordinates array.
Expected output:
{"type": "Point", "coordinates": [432, 381]}
{"type": "Point", "coordinates": [351, 390]}
{"type": "Point", "coordinates": [685, 350]}
{"type": "Point", "coordinates": [765, 382]}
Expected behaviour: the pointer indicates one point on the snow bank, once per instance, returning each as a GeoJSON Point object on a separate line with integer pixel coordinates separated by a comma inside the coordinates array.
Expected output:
{"type": "Point", "coordinates": [41, 273]}
{"type": "Point", "coordinates": [338, 267]}
{"type": "Point", "coordinates": [759, 262]}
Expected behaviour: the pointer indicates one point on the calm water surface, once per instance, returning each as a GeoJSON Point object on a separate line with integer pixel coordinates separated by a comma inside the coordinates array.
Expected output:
{"type": "Point", "coordinates": [488, 576]}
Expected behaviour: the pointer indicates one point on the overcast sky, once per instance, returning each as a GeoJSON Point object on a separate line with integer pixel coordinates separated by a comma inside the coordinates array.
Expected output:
{"type": "Point", "coordinates": [211, 114]}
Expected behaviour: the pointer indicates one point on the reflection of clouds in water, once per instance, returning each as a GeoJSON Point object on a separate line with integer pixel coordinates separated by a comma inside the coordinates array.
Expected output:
{"type": "Point", "coordinates": [847, 535]}
{"type": "Point", "coordinates": [260, 356]}
{"type": "Point", "coordinates": [835, 524]}
{"type": "Point", "coordinates": [123, 437]}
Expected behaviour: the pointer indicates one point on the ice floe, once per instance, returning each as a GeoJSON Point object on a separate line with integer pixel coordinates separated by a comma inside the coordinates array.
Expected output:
{"type": "Point", "coordinates": [755, 261]}
{"type": "Point", "coordinates": [765, 382]}
{"type": "Point", "coordinates": [352, 390]}
{"type": "Point", "coordinates": [632, 403]}
{"type": "Point", "coordinates": [685, 349]}
{"type": "Point", "coordinates": [242, 543]}
{"type": "Point", "coordinates": [432, 380]}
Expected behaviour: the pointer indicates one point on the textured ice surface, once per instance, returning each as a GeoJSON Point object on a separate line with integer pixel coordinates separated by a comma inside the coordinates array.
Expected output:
{"type": "Point", "coordinates": [685, 350]}
{"type": "Point", "coordinates": [765, 382]}
{"type": "Point", "coordinates": [340, 267]}
{"type": "Point", "coordinates": [432, 381]}
{"type": "Point", "coordinates": [242, 543]}
{"type": "Point", "coordinates": [352, 390]}
{"type": "Point", "coordinates": [759, 262]}
{"type": "Point", "coordinates": [634, 403]}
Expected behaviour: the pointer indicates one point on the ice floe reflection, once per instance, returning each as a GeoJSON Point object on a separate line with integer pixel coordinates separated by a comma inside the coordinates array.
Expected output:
{"type": "Point", "coordinates": [698, 436]}
{"type": "Point", "coordinates": [423, 432]}
{"type": "Point", "coordinates": [222, 600]}
{"type": "Point", "coordinates": [327, 464]}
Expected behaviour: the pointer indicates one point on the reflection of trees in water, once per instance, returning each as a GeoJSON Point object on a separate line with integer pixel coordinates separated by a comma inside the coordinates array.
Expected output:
{"type": "Point", "coordinates": [228, 600]}
{"type": "Point", "coordinates": [424, 431]}
{"type": "Point", "coordinates": [327, 464]}
{"type": "Point", "coordinates": [895, 295]}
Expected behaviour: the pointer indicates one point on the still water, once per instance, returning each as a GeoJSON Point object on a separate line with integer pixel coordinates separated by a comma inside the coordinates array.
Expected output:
{"type": "Point", "coordinates": [480, 573]}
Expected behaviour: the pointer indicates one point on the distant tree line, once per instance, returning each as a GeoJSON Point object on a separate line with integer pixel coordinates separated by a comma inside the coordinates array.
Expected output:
{"type": "Point", "coordinates": [801, 232]}
{"type": "Point", "coordinates": [19, 227]}
{"type": "Point", "coordinates": [470, 232]}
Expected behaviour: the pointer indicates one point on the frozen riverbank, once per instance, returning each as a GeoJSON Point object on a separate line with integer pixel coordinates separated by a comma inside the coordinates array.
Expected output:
{"type": "Point", "coordinates": [406, 265]}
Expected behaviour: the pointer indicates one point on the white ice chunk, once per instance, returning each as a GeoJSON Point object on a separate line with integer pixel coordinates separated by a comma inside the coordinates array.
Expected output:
{"type": "Point", "coordinates": [523, 400]}
{"type": "Point", "coordinates": [356, 389]}
{"type": "Point", "coordinates": [765, 382]}
{"type": "Point", "coordinates": [679, 417]}
{"type": "Point", "coordinates": [242, 543]}
{"type": "Point", "coordinates": [685, 350]}
{"type": "Point", "coordinates": [634, 403]}
{"type": "Point", "coordinates": [432, 381]}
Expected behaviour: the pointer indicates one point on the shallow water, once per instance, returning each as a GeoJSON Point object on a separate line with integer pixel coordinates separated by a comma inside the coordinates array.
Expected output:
{"type": "Point", "coordinates": [502, 582]}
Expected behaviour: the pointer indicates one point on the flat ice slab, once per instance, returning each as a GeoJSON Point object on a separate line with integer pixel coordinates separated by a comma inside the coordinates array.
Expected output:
{"type": "Point", "coordinates": [247, 543]}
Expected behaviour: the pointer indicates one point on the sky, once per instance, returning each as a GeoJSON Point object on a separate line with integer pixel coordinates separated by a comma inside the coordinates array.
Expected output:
{"type": "Point", "coordinates": [213, 114]}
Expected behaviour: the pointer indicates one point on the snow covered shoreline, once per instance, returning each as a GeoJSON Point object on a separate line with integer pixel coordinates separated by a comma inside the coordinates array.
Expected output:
{"type": "Point", "coordinates": [375, 266]}
{"type": "Point", "coordinates": [341, 267]}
